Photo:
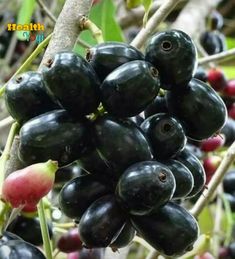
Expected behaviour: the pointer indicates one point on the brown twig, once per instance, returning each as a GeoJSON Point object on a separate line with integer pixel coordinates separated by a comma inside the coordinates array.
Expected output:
{"type": "Point", "coordinates": [67, 27]}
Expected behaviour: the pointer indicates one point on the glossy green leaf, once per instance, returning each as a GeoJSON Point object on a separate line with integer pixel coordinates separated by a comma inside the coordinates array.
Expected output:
{"type": "Point", "coordinates": [25, 15]}
{"type": "Point", "coordinates": [103, 15]}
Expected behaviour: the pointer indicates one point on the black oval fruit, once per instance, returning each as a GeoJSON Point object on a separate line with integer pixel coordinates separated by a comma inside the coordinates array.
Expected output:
{"type": "Point", "coordinates": [105, 57]}
{"type": "Point", "coordinates": [201, 74]}
{"type": "Point", "coordinates": [26, 97]}
{"type": "Point", "coordinates": [28, 229]}
{"type": "Point", "coordinates": [125, 237]}
{"type": "Point", "coordinates": [183, 178]}
{"type": "Point", "coordinates": [171, 229]}
{"type": "Point", "coordinates": [145, 186]}
{"type": "Point", "coordinates": [215, 20]}
{"type": "Point", "coordinates": [157, 106]}
{"type": "Point", "coordinates": [174, 55]}
{"type": "Point", "coordinates": [102, 222]}
{"type": "Point", "coordinates": [200, 108]}
{"type": "Point", "coordinates": [94, 163]}
{"type": "Point", "coordinates": [196, 169]}
{"type": "Point", "coordinates": [15, 249]}
{"type": "Point", "coordinates": [165, 135]}
{"type": "Point", "coordinates": [125, 93]}
{"type": "Point", "coordinates": [78, 194]}
{"type": "Point", "coordinates": [213, 42]}
{"type": "Point", "coordinates": [72, 80]}
{"type": "Point", "coordinates": [53, 135]}
{"type": "Point", "coordinates": [229, 132]}
{"type": "Point", "coordinates": [7, 236]}
{"type": "Point", "coordinates": [67, 173]}
{"type": "Point", "coordinates": [229, 182]}
{"type": "Point", "coordinates": [120, 142]}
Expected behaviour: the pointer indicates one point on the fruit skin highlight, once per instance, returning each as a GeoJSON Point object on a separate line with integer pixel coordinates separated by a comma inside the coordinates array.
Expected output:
{"type": "Point", "coordinates": [28, 185]}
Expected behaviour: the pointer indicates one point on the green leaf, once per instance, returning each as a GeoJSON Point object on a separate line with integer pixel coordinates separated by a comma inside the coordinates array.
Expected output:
{"type": "Point", "coordinates": [230, 42]}
{"type": "Point", "coordinates": [206, 221]}
{"type": "Point", "coordinates": [133, 3]}
{"type": "Point", "coordinates": [229, 71]}
{"type": "Point", "coordinates": [103, 15]}
{"type": "Point", "coordinates": [25, 14]}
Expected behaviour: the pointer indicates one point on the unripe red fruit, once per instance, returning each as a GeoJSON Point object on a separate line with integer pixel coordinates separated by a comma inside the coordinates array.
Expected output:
{"type": "Point", "coordinates": [70, 242]}
{"type": "Point", "coordinates": [217, 79]}
{"type": "Point", "coordinates": [27, 186]}
{"type": "Point", "coordinates": [231, 111]}
{"type": "Point", "coordinates": [210, 165]}
{"type": "Point", "coordinates": [211, 144]}
{"type": "Point", "coordinates": [230, 88]}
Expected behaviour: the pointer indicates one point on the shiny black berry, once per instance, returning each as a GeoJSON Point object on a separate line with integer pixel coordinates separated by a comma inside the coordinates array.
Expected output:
{"type": "Point", "coordinates": [26, 97]}
{"type": "Point", "coordinates": [78, 194]}
{"type": "Point", "coordinates": [28, 229]}
{"type": "Point", "coordinates": [201, 74]}
{"type": "Point", "coordinates": [199, 108]}
{"type": "Point", "coordinates": [173, 53]}
{"type": "Point", "coordinates": [125, 237]}
{"type": "Point", "coordinates": [165, 135]}
{"type": "Point", "coordinates": [121, 143]}
{"type": "Point", "coordinates": [183, 178]}
{"type": "Point", "coordinates": [53, 135]}
{"type": "Point", "coordinates": [159, 105]}
{"type": "Point", "coordinates": [213, 42]}
{"type": "Point", "coordinates": [15, 249]}
{"type": "Point", "coordinates": [145, 186]}
{"type": "Point", "coordinates": [130, 88]}
{"type": "Point", "coordinates": [196, 169]}
{"type": "Point", "coordinates": [229, 182]}
{"type": "Point", "coordinates": [105, 57]}
{"type": "Point", "coordinates": [102, 222]}
{"type": "Point", "coordinates": [72, 80]}
{"type": "Point", "coordinates": [171, 229]}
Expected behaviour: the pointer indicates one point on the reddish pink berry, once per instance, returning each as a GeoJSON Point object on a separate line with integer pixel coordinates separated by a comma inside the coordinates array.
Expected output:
{"type": "Point", "coordinates": [217, 79]}
{"type": "Point", "coordinates": [70, 242]}
{"type": "Point", "coordinates": [27, 186]}
{"type": "Point", "coordinates": [230, 88]}
{"type": "Point", "coordinates": [211, 144]}
{"type": "Point", "coordinates": [210, 165]}
{"type": "Point", "coordinates": [73, 255]}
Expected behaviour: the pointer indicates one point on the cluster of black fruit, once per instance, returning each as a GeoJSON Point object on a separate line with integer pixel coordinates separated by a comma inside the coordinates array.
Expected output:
{"type": "Point", "coordinates": [212, 40]}
{"type": "Point", "coordinates": [88, 110]}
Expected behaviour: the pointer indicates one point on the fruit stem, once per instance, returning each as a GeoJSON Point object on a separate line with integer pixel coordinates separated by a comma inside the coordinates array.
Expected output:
{"type": "Point", "coordinates": [6, 152]}
{"type": "Point", "coordinates": [44, 230]}
{"type": "Point", "coordinates": [28, 61]}
{"type": "Point", "coordinates": [52, 166]}
{"type": "Point", "coordinates": [215, 181]}
{"type": "Point", "coordinates": [95, 31]}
